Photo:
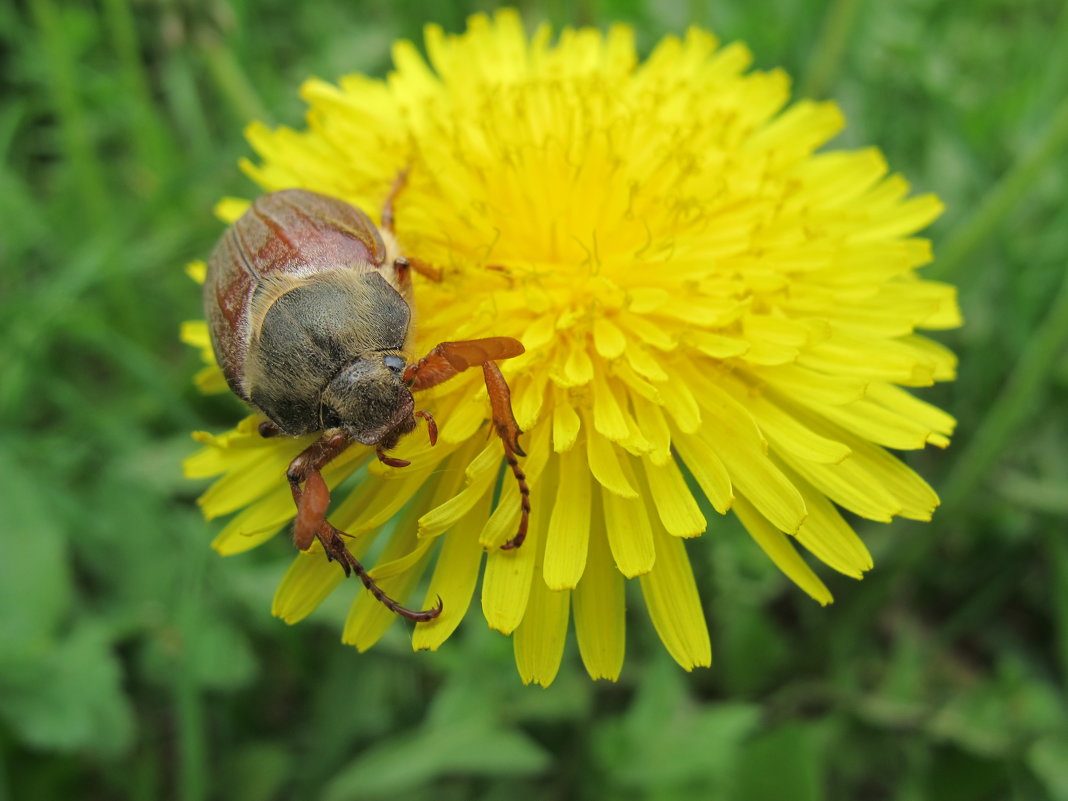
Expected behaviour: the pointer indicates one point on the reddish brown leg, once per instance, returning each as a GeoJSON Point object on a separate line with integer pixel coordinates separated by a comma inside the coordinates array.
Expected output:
{"type": "Point", "coordinates": [268, 429]}
{"type": "Point", "coordinates": [450, 358]}
{"type": "Point", "coordinates": [403, 266]}
{"type": "Point", "coordinates": [391, 199]}
{"type": "Point", "coordinates": [312, 502]}
{"type": "Point", "coordinates": [390, 460]}
{"type": "Point", "coordinates": [431, 427]}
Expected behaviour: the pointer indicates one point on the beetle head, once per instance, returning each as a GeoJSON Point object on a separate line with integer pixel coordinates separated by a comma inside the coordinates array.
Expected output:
{"type": "Point", "coordinates": [369, 400]}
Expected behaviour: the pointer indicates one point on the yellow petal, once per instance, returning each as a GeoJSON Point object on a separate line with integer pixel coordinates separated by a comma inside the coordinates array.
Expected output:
{"type": "Point", "coordinates": [680, 403]}
{"type": "Point", "coordinates": [674, 606]}
{"type": "Point", "coordinates": [708, 471]}
{"type": "Point", "coordinates": [578, 367]}
{"type": "Point", "coordinates": [228, 209]}
{"type": "Point", "coordinates": [569, 526]}
{"type": "Point", "coordinates": [630, 534]}
{"type": "Point", "coordinates": [503, 524]}
{"type": "Point", "coordinates": [195, 333]}
{"type": "Point", "coordinates": [608, 416]}
{"type": "Point", "coordinates": [255, 524]}
{"type": "Point", "coordinates": [368, 619]}
{"type": "Point", "coordinates": [650, 419]}
{"type": "Point", "coordinates": [907, 404]}
{"type": "Point", "coordinates": [829, 537]}
{"type": "Point", "coordinates": [454, 579]}
{"type": "Point", "coordinates": [480, 475]}
{"type": "Point", "coordinates": [539, 639]}
{"type": "Point", "coordinates": [737, 440]}
{"type": "Point", "coordinates": [878, 424]}
{"type": "Point", "coordinates": [506, 584]}
{"type": "Point", "coordinates": [604, 462]}
{"type": "Point", "coordinates": [645, 364]}
{"type": "Point", "coordinates": [608, 339]}
{"type": "Point", "coordinates": [792, 381]}
{"type": "Point", "coordinates": [674, 503]}
{"type": "Point", "coordinates": [600, 612]}
{"type": "Point", "coordinates": [776, 545]}
{"type": "Point", "coordinates": [787, 433]}
{"type": "Point", "coordinates": [565, 425]}
{"type": "Point", "coordinates": [197, 270]}
{"type": "Point", "coordinates": [307, 583]}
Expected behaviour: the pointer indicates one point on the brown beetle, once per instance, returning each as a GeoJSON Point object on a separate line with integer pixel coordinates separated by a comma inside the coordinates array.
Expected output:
{"type": "Point", "coordinates": [308, 307]}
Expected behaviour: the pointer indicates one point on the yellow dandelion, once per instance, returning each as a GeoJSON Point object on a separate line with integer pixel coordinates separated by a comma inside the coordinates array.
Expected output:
{"type": "Point", "coordinates": [709, 308]}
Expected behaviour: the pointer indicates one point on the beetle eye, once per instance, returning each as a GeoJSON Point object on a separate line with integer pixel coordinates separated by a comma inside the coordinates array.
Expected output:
{"type": "Point", "coordinates": [330, 418]}
{"type": "Point", "coordinates": [394, 363]}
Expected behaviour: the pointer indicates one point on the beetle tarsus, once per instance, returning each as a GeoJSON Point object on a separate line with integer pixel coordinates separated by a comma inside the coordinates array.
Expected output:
{"type": "Point", "coordinates": [334, 546]}
{"type": "Point", "coordinates": [524, 503]}
{"type": "Point", "coordinates": [431, 427]}
{"type": "Point", "coordinates": [391, 461]}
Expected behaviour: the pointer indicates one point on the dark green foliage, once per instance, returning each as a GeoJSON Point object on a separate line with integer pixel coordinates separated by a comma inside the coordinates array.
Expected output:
{"type": "Point", "coordinates": [135, 664]}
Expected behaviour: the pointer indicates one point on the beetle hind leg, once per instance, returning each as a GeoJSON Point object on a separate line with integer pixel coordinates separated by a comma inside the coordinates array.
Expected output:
{"type": "Point", "coordinates": [313, 499]}
{"type": "Point", "coordinates": [335, 549]}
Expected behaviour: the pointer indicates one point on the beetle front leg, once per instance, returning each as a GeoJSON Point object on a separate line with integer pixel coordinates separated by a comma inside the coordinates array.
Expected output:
{"type": "Point", "coordinates": [313, 499]}
{"type": "Point", "coordinates": [450, 358]}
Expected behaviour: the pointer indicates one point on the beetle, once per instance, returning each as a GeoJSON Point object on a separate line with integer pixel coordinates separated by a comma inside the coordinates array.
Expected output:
{"type": "Point", "coordinates": [309, 308]}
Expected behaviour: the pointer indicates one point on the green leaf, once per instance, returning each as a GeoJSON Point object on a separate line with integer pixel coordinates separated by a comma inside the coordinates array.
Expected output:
{"type": "Point", "coordinates": [258, 772]}
{"type": "Point", "coordinates": [785, 762]}
{"type": "Point", "coordinates": [667, 740]}
{"type": "Point", "coordinates": [1048, 758]}
{"type": "Point", "coordinates": [405, 763]}
{"type": "Point", "coordinates": [34, 575]}
{"type": "Point", "coordinates": [219, 655]}
{"type": "Point", "coordinates": [69, 697]}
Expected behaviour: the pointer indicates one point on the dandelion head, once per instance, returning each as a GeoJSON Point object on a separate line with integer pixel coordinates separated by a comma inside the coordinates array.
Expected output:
{"type": "Point", "coordinates": [718, 317]}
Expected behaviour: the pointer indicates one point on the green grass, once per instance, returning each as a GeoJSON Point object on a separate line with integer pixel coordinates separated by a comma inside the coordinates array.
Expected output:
{"type": "Point", "coordinates": [134, 664]}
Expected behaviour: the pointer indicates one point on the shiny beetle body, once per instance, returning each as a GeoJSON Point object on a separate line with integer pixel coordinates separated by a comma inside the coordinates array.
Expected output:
{"type": "Point", "coordinates": [307, 318]}
{"type": "Point", "coordinates": [307, 302]}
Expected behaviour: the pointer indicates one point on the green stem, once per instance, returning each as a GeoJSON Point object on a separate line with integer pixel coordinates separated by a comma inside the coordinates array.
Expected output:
{"type": "Point", "coordinates": [150, 134]}
{"type": "Point", "coordinates": [233, 82]}
{"type": "Point", "coordinates": [1003, 198]}
{"type": "Point", "coordinates": [75, 129]}
{"type": "Point", "coordinates": [830, 49]}
{"type": "Point", "coordinates": [1016, 399]}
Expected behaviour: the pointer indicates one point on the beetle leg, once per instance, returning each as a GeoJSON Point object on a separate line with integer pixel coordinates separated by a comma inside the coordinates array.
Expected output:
{"type": "Point", "coordinates": [450, 358]}
{"type": "Point", "coordinates": [387, 208]}
{"type": "Point", "coordinates": [402, 269]}
{"type": "Point", "coordinates": [312, 502]}
{"type": "Point", "coordinates": [431, 427]}
{"type": "Point", "coordinates": [335, 548]}
{"type": "Point", "coordinates": [391, 461]}
{"type": "Point", "coordinates": [268, 428]}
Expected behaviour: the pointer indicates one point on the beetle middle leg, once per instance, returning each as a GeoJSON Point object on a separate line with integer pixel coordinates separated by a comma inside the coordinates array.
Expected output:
{"type": "Point", "coordinates": [403, 266]}
{"type": "Point", "coordinates": [449, 358]}
{"type": "Point", "coordinates": [312, 501]}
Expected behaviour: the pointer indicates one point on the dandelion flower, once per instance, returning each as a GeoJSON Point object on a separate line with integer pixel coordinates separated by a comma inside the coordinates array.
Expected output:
{"type": "Point", "coordinates": [710, 307]}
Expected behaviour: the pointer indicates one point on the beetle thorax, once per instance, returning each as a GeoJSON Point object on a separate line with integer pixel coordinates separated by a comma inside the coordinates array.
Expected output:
{"type": "Point", "coordinates": [331, 329]}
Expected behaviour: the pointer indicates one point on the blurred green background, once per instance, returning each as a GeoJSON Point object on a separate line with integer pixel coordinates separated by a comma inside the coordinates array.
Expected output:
{"type": "Point", "coordinates": [135, 664]}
